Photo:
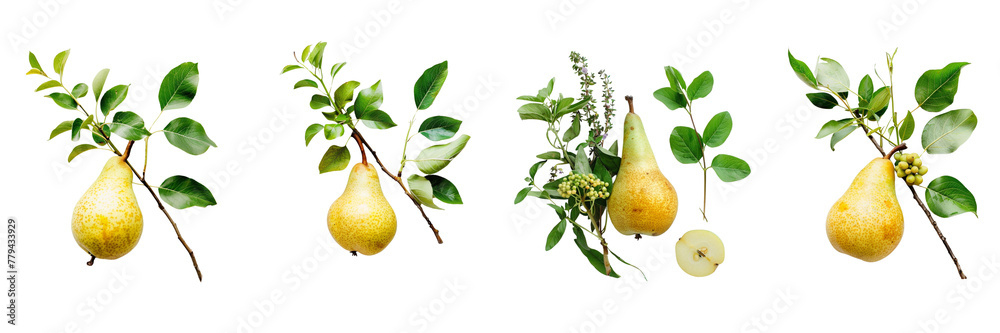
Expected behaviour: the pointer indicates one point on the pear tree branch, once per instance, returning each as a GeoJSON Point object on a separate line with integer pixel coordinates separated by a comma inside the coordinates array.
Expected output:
{"type": "Point", "coordinates": [159, 203]}
{"type": "Point", "coordinates": [927, 212]}
{"type": "Point", "coordinates": [399, 180]}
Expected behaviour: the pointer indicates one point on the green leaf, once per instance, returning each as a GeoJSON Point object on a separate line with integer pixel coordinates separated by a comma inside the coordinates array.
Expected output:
{"type": "Point", "coordinates": [946, 197]}
{"type": "Point", "coordinates": [547, 91]}
{"type": "Point", "coordinates": [945, 132]}
{"type": "Point", "coordinates": [573, 107]}
{"type": "Point", "coordinates": [63, 127]}
{"type": "Point", "coordinates": [562, 107]}
{"type": "Point", "coordinates": [98, 139]}
{"type": "Point", "coordinates": [427, 87]}
{"type": "Point", "coordinates": [336, 69]}
{"type": "Point", "coordinates": [552, 155]}
{"type": "Point", "coordinates": [435, 158]}
{"type": "Point", "coordinates": [521, 195]}
{"type": "Point", "coordinates": [880, 99]}
{"type": "Point", "coordinates": [59, 63]}
{"type": "Point", "coordinates": [906, 128]}
{"type": "Point", "coordinates": [87, 122]}
{"type": "Point", "coordinates": [98, 83]}
{"type": "Point", "coordinates": [332, 131]}
{"type": "Point", "coordinates": [112, 98]}
{"type": "Point", "coordinates": [829, 73]}
{"type": "Point", "coordinates": [34, 71]}
{"type": "Point", "coordinates": [559, 211]}
{"type": "Point", "coordinates": [866, 90]}
{"type": "Point", "coordinates": [686, 144]}
{"type": "Point", "coordinates": [63, 100]}
{"type": "Point", "coordinates": [377, 119]}
{"type": "Point", "coordinates": [534, 111]}
{"type": "Point", "coordinates": [730, 168]}
{"type": "Point", "coordinates": [675, 78]}
{"type": "Point", "coordinates": [822, 100]}
{"type": "Point", "coordinates": [534, 169]}
{"type": "Point", "coordinates": [188, 135]}
{"type": "Point", "coordinates": [594, 256]}
{"type": "Point", "coordinates": [701, 86]}
{"type": "Point", "coordinates": [311, 132]}
{"type": "Point", "coordinates": [316, 56]}
{"type": "Point", "coordinates": [128, 125]}
{"type": "Point", "coordinates": [369, 99]}
{"type": "Point", "coordinates": [581, 164]}
{"type": "Point", "coordinates": [439, 128]}
{"type": "Point", "coordinates": [179, 86]}
{"type": "Point", "coordinates": [670, 98]}
{"type": "Point", "coordinates": [936, 89]}
{"type": "Point", "coordinates": [75, 131]}
{"type": "Point", "coordinates": [840, 135]}
{"type": "Point", "coordinates": [717, 130]}
{"type": "Point", "coordinates": [573, 131]}
{"type": "Point", "coordinates": [444, 190]}
{"type": "Point", "coordinates": [422, 190]}
{"type": "Point", "coordinates": [290, 68]}
{"type": "Point", "coordinates": [33, 61]}
{"type": "Point", "coordinates": [319, 101]}
{"type": "Point", "coordinates": [305, 53]}
{"type": "Point", "coordinates": [345, 93]}
{"type": "Point", "coordinates": [305, 83]}
{"type": "Point", "coordinates": [182, 192]}
{"type": "Point", "coordinates": [79, 150]}
{"type": "Point", "coordinates": [555, 235]}
{"type": "Point", "coordinates": [48, 85]}
{"type": "Point", "coordinates": [802, 71]}
{"type": "Point", "coordinates": [336, 158]}
{"type": "Point", "coordinates": [531, 98]}
{"type": "Point", "coordinates": [833, 126]}
{"type": "Point", "coordinates": [80, 90]}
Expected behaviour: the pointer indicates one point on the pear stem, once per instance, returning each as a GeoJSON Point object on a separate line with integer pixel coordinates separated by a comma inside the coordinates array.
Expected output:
{"type": "Point", "coordinates": [361, 147]}
{"type": "Point", "coordinates": [628, 99]}
{"type": "Point", "coordinates": [399, 180]}
{"type": "Point", "coordinates": [128, 150]}
{"type": "Point", "coordinates": [900, 147]}
{"type": "Point", "coordinates": [91, 262]}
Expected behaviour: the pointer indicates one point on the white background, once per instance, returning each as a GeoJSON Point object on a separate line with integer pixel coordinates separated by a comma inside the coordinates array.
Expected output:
{"type": "Point", "coordinates": [267, 233]}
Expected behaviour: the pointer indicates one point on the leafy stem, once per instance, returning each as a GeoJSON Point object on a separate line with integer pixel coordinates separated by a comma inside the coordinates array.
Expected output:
{"type": "Point", "coordinates": [703, 163]}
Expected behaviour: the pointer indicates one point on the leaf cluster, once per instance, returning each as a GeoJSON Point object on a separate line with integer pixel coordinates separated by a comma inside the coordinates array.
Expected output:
{"type": "Point", "coordinates": [177, 90]}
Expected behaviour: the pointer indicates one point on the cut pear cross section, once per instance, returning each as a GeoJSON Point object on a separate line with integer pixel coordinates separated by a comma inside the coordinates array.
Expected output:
{"type": "Point", "coordinates": [699, 252]}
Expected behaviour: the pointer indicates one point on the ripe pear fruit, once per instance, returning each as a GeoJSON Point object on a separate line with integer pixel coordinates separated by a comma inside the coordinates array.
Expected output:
{"type": "Point", "coordinates": [361, 220]}
{"type": "Point", "coordinates": [107, 222]}
{"type": "Point", "coordinates": [642, 200]}
{"type": "Point", "coordinates": [867, 223]}
{"type": "Point", "coordinates": [699, 252]}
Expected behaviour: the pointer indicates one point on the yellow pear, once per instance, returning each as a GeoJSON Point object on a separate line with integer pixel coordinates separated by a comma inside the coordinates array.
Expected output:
{"type": "Point", "coordinates": [642, 200]}
{"type": "Point", "coordinates": [107, 222]}
{"type": "Point", "coordinates": [867, 223]}
{"type": "Point", "coordinates": [361, 220]}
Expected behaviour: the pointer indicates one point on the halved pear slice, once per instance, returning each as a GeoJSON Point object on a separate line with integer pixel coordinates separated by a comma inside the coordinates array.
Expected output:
{"type": "Point", "coordinates": [699, 252]}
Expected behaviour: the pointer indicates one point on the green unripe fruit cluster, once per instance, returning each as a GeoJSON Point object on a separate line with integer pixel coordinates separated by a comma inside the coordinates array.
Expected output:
{"type": "Point", "coordinates": [587, 187]}
{"type": "Point", "coordinates": [910, 168]}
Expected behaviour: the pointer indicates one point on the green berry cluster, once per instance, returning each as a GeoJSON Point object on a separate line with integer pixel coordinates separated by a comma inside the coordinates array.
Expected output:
{"type": "Point", "coordinates": [588, 187]}
{"type": "Point", "coordinates": [910, 168]}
